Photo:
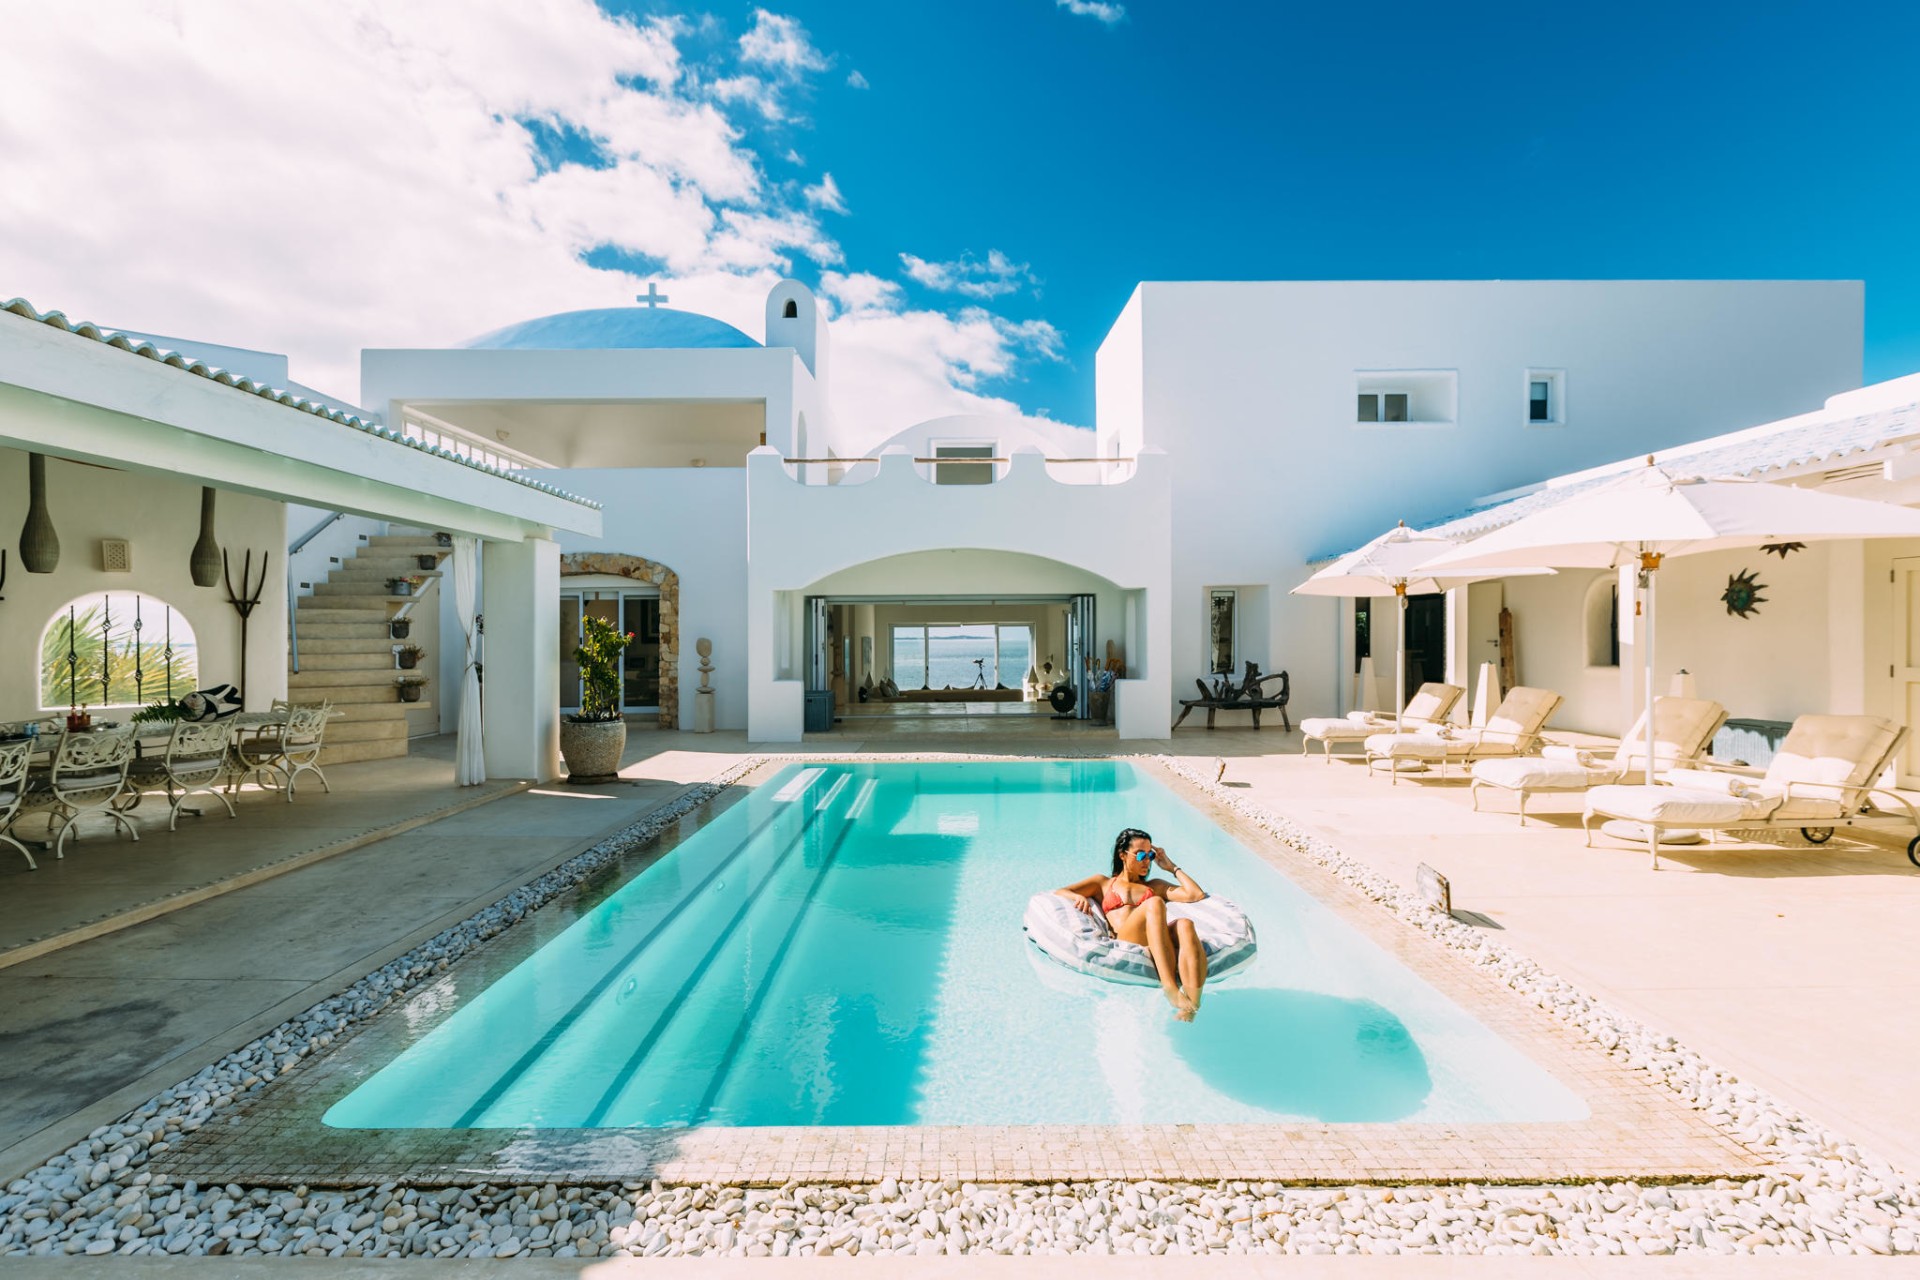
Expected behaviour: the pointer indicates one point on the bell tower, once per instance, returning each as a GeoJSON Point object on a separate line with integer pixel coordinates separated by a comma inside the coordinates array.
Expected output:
{"type": "Point", "coordinates": [794, 319]}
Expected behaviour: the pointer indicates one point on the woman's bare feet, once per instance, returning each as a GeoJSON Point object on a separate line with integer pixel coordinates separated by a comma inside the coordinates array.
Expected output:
{"type": "Point", "coordinates": [1183, 1008]}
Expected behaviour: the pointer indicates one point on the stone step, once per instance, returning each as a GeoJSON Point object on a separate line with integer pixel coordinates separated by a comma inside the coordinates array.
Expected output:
{"type": "Point", "coordinates": [375, 641]}
{"type": "Point", "coordinates": [365, 731]}
{"type": "Point", "coordinates": [407, 563]}
{"type": "Point", "coordinates": [378, 661]}
{"type": "Point", "coordinates": [367, 584]}
{"type": "Point", "coordinates": [355, 712]}
{"type": "Point", "coordinates": [370, 608]}
{"type": "Point", "coordinates": [311, 678]}
{"type": "Point", "coordinates": [347, 695]}
{"type": "Point", "coordinates": [324, 625]}
{"type": "Point", "coordinates": [347, 752]}
{"type": "Point", "coordinates": [391, 542]}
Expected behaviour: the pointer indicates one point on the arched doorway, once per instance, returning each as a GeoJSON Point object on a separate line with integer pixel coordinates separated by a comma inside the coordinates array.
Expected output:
{"type": "Point", "coordinates": [639, 569]}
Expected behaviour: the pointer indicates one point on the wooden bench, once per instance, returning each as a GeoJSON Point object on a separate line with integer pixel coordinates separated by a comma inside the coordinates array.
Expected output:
{"type": "Point", "coordinates": [1248, 695]}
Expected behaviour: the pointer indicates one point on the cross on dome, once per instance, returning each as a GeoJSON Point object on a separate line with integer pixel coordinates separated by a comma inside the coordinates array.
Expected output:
{"type": "Point", "coordinates": [652, 297]}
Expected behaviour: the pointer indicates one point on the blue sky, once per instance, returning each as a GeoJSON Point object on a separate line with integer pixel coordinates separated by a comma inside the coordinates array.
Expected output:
{"type": "Point", "coordinates": [1357, 141]}
{"type": "Point", "coordinates": [975, 188]}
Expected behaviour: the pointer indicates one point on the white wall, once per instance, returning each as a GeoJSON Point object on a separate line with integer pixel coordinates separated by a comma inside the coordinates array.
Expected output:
{"type": "Point", "coordinates": [823, 540]}
{"type": "Point", "coordinates": [160, 517]}
{"type": "Point", "coordinates": [1772, 665]}
{"type": "Point", "coordinates": [1250, 386]}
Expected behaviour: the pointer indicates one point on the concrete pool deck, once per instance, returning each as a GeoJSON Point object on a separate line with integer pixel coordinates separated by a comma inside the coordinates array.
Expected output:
{"type": "Point", "coordinates": [1725, 949]}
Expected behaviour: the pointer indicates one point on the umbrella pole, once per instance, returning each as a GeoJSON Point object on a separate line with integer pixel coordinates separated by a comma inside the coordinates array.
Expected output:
{"type": "Point", "coordinates": [1649, 568]}
{"type": "Point", "coordinates": [1399, 652]}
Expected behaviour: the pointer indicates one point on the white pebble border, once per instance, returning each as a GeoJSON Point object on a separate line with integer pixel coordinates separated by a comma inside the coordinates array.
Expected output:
{"type": "Point", "coordinates": [1823, 1196]}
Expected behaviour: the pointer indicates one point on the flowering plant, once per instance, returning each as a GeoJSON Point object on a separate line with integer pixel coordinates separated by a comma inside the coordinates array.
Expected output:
{"type": "Point", "coordinates": [601, 645]}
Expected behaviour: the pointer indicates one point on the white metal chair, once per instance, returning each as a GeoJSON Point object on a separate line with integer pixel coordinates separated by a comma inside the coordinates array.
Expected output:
{"type": "Point", "coordinates": [280, 752]}
{"type": "Point", "coordinates": [88, 773]}
{"type": "Point", "coordinates": [194, 760]}
{"type": "Point", "coordinates": [16, 758]}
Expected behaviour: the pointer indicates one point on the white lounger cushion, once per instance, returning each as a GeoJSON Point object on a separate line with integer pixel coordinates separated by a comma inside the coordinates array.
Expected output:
{"type": "Point", "coordinates": [1549, 771]}
{"type": "Point", "coordinates": [1510, 730]}
{"type": "Point", "coordinates": [1432, 701]}
{"type": "Point", "coordinates": [1675, 806]}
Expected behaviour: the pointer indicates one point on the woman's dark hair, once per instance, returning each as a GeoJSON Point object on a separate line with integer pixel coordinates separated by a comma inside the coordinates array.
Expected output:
{"type": "Point", "coordinates": [1123, 842]}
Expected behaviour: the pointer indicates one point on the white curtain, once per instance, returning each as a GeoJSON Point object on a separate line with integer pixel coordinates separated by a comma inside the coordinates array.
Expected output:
{"type": "Point", "coordinates": [470, 760]}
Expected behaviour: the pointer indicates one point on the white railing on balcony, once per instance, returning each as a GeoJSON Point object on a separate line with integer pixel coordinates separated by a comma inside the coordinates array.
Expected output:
{"type": "Point", "coordinates": [466, 444]}
{"type": "Point", "coordinates": [856, 470]}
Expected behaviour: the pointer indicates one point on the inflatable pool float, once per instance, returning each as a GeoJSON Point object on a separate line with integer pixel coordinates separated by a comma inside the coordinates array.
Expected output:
{"type": "Point", "coordinates": [1075, 939]}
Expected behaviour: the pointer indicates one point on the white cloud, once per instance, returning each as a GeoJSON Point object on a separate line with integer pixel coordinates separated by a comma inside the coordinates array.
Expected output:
{"type": "Point", "coordinates": [997, 276]}
{"type": "Point", "coordinates": [1098, 9]}
{"type": "Point", "coordinates": [859, 291]}
{"type": "Point", "coordinates": [780, 42]}
{"type": "Point", "coordinates": [382, 190]}
{"type": "Point", "coordinates": [857, 81]}
{"type": "Point", "coordinates": [826, 195]}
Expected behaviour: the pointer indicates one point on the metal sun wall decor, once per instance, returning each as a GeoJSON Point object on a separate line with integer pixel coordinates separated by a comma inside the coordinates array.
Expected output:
{"type": "Point", "coordinates": [1742, 596]}
{"type": "Point", "coordinates": [1782, 549]}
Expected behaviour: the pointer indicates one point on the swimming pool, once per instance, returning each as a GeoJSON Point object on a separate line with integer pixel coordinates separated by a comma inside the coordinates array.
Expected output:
{"type": "Point", "coordinates": [843, 947]}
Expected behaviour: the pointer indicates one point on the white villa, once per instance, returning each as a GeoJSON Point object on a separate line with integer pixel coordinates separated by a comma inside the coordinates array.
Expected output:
{"type": "Point", "coordinates": [688, 480]}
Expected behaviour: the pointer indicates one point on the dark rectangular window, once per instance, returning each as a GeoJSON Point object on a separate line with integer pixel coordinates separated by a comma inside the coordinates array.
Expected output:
{"type": "Point", "coordinates": [1395, 403]}
{"type": "Point", "coordinates": [1540, 401]}
{"type": "Point", "coordinates": [1369, 408]}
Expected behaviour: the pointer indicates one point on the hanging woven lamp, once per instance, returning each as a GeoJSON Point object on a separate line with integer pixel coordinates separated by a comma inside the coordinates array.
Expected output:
{"type": "Point", "coordinates": [205, 562]}
{"type": "Point", "coordinates": [39, 544]}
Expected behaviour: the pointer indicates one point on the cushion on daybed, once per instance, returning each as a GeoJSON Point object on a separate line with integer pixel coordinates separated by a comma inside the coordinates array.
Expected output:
{"type": "Point", "coordinates": [1545, 772]}
{"type": "Point", "coordinates": [1677, 806]}
{"type": "Point", "coordinates": [1846, 751]}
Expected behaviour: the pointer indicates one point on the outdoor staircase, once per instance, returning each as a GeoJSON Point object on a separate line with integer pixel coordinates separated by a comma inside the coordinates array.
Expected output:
{"type": "Point", "coordinates": [346, 650]}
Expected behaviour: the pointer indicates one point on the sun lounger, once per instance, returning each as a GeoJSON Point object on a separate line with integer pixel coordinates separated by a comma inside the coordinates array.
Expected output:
{"type": "Point", "coordinates": [1825, 775]}
{"type": "Point", "coordinates": [1426, 709]}
{"type": "Point", "coordinates": [1513, 729]}
{"type": "Point", "coordinates": [1683, 728]}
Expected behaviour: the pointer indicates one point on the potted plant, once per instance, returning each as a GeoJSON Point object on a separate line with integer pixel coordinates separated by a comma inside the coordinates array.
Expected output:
{"type": "Point", "coordinates": [404, 586]}
{"type": "Point", "coordinates": [408, 656]}
{"type": "Point", "coordinates": [399, 627]}
{"type": "Point", "coordinates": [411, 687]}
{"type": "Point", "coordinates": [591, 742]}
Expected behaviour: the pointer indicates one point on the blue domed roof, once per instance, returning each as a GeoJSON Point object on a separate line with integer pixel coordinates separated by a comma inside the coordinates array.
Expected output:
{"type": "Point", "coordinates": [614, 328]}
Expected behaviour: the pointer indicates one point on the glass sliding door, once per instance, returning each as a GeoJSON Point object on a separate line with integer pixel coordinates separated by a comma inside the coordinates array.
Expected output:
{"type": "Point", "coordinates": [635, 611]}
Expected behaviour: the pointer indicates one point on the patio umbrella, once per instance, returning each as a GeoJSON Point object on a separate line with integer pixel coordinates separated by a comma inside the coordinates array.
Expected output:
{"type": "Point", "coordinates": [1653, 513]}
{"type": "Point", "coordinates": [1395, 564]}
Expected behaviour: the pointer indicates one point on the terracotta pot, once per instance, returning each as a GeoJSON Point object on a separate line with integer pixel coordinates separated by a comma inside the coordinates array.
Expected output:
{"type": "Point", "coordinates": [592, 748]}
{"type": "Point", "coordinates": [411, 692]}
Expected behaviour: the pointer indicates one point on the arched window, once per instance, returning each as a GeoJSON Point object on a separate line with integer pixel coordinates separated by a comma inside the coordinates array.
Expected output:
{"type": "Point", "coordinates": [116, 649]}
{"type": "Point", "coordinates": [1603, 622]}
{"type": "Point", "coordinates": [792, 311]}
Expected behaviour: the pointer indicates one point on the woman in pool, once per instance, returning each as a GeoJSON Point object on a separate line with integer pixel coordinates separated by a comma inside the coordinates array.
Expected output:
{"type": "Point", "coordinates": [1135, 909]}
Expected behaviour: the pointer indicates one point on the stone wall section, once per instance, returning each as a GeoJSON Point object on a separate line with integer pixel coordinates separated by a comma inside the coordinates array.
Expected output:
{"type": "Point", "coordinates": [575, 563]}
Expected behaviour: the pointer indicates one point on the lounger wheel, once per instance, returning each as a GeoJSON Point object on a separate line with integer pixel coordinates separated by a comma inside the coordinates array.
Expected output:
{"type": "Point", "coordinates": [1913, 851]}
{"type": "Point", "coordinates": [1816, 835]}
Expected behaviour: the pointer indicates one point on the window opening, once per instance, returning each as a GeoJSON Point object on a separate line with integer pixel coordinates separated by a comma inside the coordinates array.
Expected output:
{"type": "Point", "coordinates": [963, 472]}
{"type": "Point", "coordinates": [117, 649]}
{"type": "Point", "coordinates": [1222, 608]}
{"type": "Point", "coordinates": [1540, 400]}
{"type": "Point", "coordinates": [792, 311]}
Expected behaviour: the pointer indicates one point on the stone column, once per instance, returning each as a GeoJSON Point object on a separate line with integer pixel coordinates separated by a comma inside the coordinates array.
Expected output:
{"type": "Point", "coordinates": [520, 695]}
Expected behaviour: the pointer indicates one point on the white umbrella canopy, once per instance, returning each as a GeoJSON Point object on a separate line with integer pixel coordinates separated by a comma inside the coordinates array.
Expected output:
{"type": "Point", "coordinates": [1396, 564]}
{"type": "Point", "coordinates": [1653, 513]}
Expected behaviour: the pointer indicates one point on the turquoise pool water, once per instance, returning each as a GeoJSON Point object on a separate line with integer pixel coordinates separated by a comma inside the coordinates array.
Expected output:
{"type": "Point", "coordinates": [843, 947]}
